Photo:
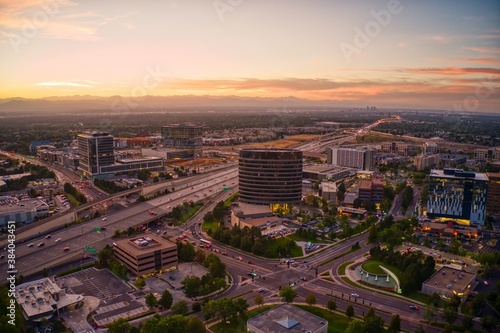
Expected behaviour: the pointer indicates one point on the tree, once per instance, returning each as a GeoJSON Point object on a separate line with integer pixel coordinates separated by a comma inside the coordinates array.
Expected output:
{"type": "Point", "coordinates": [374, 324]}
{"type": "Point", "coordinates": [430, 313]}
{"type": "Point", "coordinates": [191, 285]}
{"type": "Point", "coordinates": [241, 305]}
{"type": "Point", "coordinates": [259, 300]}
{"type": "Point", "coordinates": [216, 267]}
{"type": "Point", "coordinates": [195, 325]}
{"type": "Point", "coordinates": [58, 326]}
{"type": "Point", "coordinates": [395, 324]}
{"type": "Point", "coordinates": [450, 314]}
{"type": "Point", "coordinates": [331, 305]}
{"type": "Point", "coordinates": [489, 323]}
{"type": "Point", "coordinates": [349, 312]}
{"type": "Point", "coordinates": [151, 300]}
{"type": "Point", "coordinates": [140, 283]}
{"type": "Point", "coordinates": [311, 299]}
{"type": "Point", "coordinates": [119, 325]}
{"type": "Point", "coordinates": [187, 253]}
{"type": "Point", "coordinates": [180, 307]}
{"type": "Point", "coordinates": [420, 329]}
{"type": "Point", "coordinates": [355, 326]}
{"type": "Point", "coordinates": [200, 256]}
{"type": "Point", "coordinates": [448, 328]}
{"type": "Point", "coordinates": [370, 313]}
{"type": "Point", "coordinates": [287, 294]}
{"type": "Point", "coordinates": [467, 322]}
{"type": "Point", "coordinates": [166, 299]}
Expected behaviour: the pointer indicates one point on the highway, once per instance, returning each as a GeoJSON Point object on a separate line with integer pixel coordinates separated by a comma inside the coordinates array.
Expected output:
{"type": "Point", "coordinates": [31, 259]}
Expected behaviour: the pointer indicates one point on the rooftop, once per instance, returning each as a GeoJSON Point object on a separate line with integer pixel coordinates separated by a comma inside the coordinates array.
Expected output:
{"type": "Point", "coordinates": [324, 168]}
{"type": "Point", "coordinates": [452, 279]}
{"type": "Point", "coordinates": [143, 244]}
{"type": "Point", "coordinates": [12, 205]}
{"type": "Point", "coordinates": [37, 298]}
{"type": "Point", "coordinates": [245, 209]}
{"type": "Point", "coordinates": [458, 174]}
{"type": "Point", "coordinates": [287, 318]}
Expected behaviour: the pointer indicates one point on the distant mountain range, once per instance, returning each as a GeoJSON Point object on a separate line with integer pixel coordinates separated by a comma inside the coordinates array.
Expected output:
{"type": "Point", "coordinates": [92, 103]}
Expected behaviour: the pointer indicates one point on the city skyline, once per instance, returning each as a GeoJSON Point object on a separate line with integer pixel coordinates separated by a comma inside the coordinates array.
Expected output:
{"type": "Point", "coordinates": [401, 54]}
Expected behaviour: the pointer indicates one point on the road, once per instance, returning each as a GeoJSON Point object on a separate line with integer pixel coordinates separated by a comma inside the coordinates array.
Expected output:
{"type": "Point", "coordinates": [30, 259]}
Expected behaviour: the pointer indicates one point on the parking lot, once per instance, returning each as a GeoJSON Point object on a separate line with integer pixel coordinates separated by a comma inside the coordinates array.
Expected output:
{"type": "Point", "coordinates": [114, 295]}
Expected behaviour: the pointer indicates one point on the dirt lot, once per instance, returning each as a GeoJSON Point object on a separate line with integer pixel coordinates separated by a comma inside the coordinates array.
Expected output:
{"type": "Point", "coordinates": [196, 162]}
{"type": "Point", "coordinates": [289, 141]}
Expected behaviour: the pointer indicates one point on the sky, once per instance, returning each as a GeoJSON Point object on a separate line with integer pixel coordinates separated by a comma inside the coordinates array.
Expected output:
{"type": "Point", "coordinates": [433, 54]}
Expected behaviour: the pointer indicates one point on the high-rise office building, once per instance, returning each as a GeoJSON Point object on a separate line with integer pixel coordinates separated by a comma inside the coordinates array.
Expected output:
{"type": "Point", "coordinates": [186, 137]}
{"type": "Point", "coordinates": [458, 195]}
{"type": "Point", "coordinates": [96, 150]}
{"type": "Point", "coordinates": [360, 157]}
{"type": "Point", "coordinates": [270, 176]}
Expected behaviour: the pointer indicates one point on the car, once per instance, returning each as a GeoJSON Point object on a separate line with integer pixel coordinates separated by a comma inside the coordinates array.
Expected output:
{"type": "Point", "coordinates": [48, 236]}
{"type": "Point", "coordinates": [354, 295]}
{"type": "Point", "coordinates": [30, 245]}
{"type": "Point", "coordinates": [486, 283]}
{"type": "Point", "coordinates": [58, 240]}
{"type": "Point", "coordinates": [414, 307]}
{"type": "Point", "coordinates": [103, 228]}
{"type": "Point", "coordinates": [250, 262]}
{"type": "Point", "coordinates": [65, 249]}
{"type": "Point", "coordinates": [2, 256]}
{"type": "Point", "coordinates": [104, 218]}
{"type": "Point", "coordinates": [40, 244]}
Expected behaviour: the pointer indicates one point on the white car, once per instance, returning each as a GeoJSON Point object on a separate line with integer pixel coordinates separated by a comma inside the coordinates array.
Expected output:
{"type": "Point", "coordinates": [105, 219]}
{"type": "Point", "coordinates": [30, 244]}
{"type": "Point", "coordinates": [58, 240]}
{"type": "Point", "coordinates": [354, 295]}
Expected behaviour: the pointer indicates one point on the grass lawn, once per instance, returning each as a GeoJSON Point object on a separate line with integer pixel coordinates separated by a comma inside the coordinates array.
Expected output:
{"type": "Point", "coordinates": [239, 324]}
{"type": "Point", "coordinates": [72, 201]}
{"type": "Point", "coordinates": [210, 225]}
{"type": "Point", "coordinates": [189, 212]}
{"type": "Point", "coordinates": [229, 200]}
{"type": "Point", "coordinates": [296, 251]}
{"type": "Point", "coordinates": [372, 266]}
{"type": "Point", "coordinates": [343, 266]}
{"type": "Point", "coordinates": [336, 323]}
{"type": "Point", "coordinates": [419, 297]}
{"type": "Point", "coordinates": [298, 238]}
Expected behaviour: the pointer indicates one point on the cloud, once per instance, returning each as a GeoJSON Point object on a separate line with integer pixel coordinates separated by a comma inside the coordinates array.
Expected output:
{"type": "Point", "coordinates": [62, 84]}
{"type": "Point", "coordinates": [53, 19]}
{"type": "Point", "coordinates": [494, 50]}
{"type": "Point", "coordinates": [484, 61]}
{"type": "Point", "coordinates": [453, 70]}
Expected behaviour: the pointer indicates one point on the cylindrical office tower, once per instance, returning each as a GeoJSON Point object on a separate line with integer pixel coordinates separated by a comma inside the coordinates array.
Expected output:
{"type": "Point", "coordinates": [270, 176]}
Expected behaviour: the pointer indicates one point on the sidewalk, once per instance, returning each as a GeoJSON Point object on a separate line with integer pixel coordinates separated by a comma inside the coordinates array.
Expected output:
{"type": "Point", "coordinates": [76, 318]}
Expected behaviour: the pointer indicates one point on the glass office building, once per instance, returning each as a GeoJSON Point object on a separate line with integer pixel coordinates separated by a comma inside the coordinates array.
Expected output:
{"type": "Point", "coordinates": [457, 195]}
{"type": "Point", "coordinates": [270, 176]}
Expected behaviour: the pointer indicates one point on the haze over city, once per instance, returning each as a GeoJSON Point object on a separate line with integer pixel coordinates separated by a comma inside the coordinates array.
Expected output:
{"type": "Point", "coordinates": [260, 166]}
{"type": "Point", "coordinates": [398, 54]}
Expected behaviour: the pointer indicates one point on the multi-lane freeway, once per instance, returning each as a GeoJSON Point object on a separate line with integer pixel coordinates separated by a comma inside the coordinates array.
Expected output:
{"type": "Point", "coordinates": [31, 258]}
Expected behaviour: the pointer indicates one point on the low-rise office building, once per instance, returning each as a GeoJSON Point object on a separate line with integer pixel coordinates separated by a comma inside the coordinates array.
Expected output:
{"type": "Point", "coordinates": [448, 282]}
{"type": "Point", "coordinates": [248, 215]}
{"type": "Point", "coordinates": [146, 254]}
{"type": "Point", "coordinates": [43, 298]}
{"type": "Point", "coordinates": [25, 211]}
